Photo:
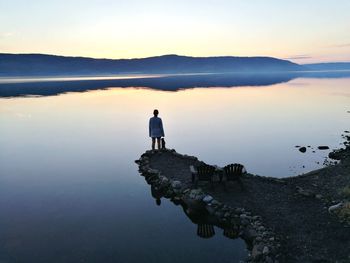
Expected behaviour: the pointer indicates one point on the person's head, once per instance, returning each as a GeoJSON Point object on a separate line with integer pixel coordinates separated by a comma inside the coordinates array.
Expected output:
{"type": "Point", "coordinates": [155, 112]}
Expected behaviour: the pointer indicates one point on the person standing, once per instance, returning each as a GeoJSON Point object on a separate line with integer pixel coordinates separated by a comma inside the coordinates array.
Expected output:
{"type": "Point", "coordinates": [156, 130]}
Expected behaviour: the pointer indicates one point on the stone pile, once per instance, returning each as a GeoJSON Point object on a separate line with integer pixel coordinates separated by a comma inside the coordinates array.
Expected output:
{"type": "Point", "coordinates": [263, 244]}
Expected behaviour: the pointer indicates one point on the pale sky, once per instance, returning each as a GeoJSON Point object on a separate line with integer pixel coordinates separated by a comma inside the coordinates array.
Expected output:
{"type": "Point", "coordinates": [303, 31]}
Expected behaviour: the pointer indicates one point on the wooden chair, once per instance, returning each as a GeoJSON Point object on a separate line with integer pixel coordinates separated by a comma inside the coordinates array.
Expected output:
{"type": "Point", "coordinates": [234, 171]}
{"type": "Point", "coordinates": [231, 232]}
{"type": "Point", "coordinates": [205, 230]}
{"type": "Point", "coordinates": [204, 172]}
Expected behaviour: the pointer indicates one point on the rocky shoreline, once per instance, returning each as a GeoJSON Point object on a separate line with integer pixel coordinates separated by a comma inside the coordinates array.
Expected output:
{"type": "Point", "coordinates": [296, 219]}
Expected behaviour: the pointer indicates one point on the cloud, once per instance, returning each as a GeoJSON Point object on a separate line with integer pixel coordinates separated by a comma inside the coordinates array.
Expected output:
{"type": "Point", "coordinates": [6, 34]}
{"type": "Point", "coordinates": [303, 56]}
{"type": "Point", "coordinates": [341, 45]}
{"type": "Point", "coordinates": [23, 115]}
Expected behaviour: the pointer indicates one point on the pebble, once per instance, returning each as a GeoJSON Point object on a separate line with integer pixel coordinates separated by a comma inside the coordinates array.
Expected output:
{"type": "Point", "coordinates": [336, 207]}
{"type": "Point", "coordinates": [261, 228]}
{"type": "Point", "coordinates": [244, 222]}
{"type": "Point", "coordinates": [266, 250]}
{"type": "Point", "coordinates": [214, 202]}
{"type": "Point", "coordinates": [227, 215]}
{"type": "Point", "coordinates": [176, 184]}
{"type": "Point", "coordinates": [208, 198]}
{"type": "Point", "coordinates": [256, 252]}
{"type": "Point", "coordinates": [319, 196]}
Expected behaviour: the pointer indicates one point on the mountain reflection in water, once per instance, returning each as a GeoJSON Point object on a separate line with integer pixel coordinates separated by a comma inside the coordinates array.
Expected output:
{"type": "Point", "coordinates": [46, 87]}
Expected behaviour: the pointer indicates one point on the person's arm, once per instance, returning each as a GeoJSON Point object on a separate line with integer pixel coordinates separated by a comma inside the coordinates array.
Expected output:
{"type": "Point", "coordinates": [161, 128]}
{"type": "Point", "coordinates": [149, 128]}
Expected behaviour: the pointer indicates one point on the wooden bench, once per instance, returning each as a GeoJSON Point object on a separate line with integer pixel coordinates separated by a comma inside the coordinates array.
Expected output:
{"type": "Point", "coordinates": [234, 171]}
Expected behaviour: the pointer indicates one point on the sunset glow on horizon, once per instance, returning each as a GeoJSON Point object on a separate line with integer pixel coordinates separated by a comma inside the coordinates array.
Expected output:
{"type": "Point", "coordinates": [300, 31]}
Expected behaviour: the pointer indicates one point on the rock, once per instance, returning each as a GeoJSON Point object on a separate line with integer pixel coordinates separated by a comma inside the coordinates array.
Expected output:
{"type": "Point", "coordinates": [335, 208]}
{"type": "Point", "coordinates": [337, 154]}
{"type": "Point", "coordinates": [323, 147]}
{"type": "Point", "coordinates": [306, 193]}
{"type": "Point", "coordinates": [176, 199]}
{"type": "Point", "coordinates": [152, 171]}
{"type": "Point", "coordinates": [302, 149]}
{"type": "Point", "coordinates": [258, 223]}
{"type": "Point", "coordinates": [249, 234]}
{"type": "Point", "coordinates": [211, 210]}
{"type": "Point", "coordinates": [219, 214]}
{"type": "Point", "coordinates": [215, 203]}
{"type": "Point", "coordinates": [207, 199]}
{"type": "Point", "coordinates": [176, 184]}
{"type": "Point", "coordinates": [164, 180]}
{"type": "Point", "coordinates": [239, 211]}
{"type": "Point", "coordinates": [196, 194]}
{"type": "Point", "coordinates": [177, 191]}
{"type": "Point", "coordinates": [261, 228]}
{"type": "Point", "coordinates": [319, 196]}
{"type": "Point", "coordinates": [256, 252]}
{"type": "Point", "coordinates": [187, 190]}
{"type": "Point", "coordinates": [243, 216]}
{"type": "Point", "coordinates": [244, 222]}
{"type": "Point", "coordinates": [227, 215]}
{"type": "Point", "coordinates": [268, 260]}
{"type": "Point", "coordinates": [266, 250]}
{"type": "Point", "coordinates": [258, 239]}
{"type": "Point", "coordinates": [168, 193]}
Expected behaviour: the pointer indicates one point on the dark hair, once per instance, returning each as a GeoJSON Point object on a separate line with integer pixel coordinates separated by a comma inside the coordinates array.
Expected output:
{"type": "Point", "coordinates": [155, 112]}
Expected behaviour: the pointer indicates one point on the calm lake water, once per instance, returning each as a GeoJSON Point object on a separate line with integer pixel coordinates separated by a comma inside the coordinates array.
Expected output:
{"type": "Point", "coordinates": [69, 188]}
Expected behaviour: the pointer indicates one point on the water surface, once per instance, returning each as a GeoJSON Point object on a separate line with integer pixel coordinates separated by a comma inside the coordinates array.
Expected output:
{"type": "Point", "coordinates": [70, 191]}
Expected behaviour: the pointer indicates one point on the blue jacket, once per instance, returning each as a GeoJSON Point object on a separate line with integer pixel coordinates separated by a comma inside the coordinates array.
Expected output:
{"type": "Point", "coordinates": [156, 127]}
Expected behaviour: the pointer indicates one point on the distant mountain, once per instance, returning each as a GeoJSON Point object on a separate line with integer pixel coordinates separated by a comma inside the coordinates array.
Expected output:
{"type": "Point", "coordinates": [328, 66]}
{"type": "Point", "coordinates": [50, 65]}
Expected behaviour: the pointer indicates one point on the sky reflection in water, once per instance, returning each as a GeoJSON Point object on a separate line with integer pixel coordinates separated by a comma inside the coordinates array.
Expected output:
{"type": "Point", "coordinates": [69, 189]}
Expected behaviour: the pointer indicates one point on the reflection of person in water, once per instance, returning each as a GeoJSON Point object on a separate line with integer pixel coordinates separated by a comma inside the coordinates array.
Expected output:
{"type": "Point", "coordinates": [156, 194]}
{"type": "Point", "coordinates": [156, 130]}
